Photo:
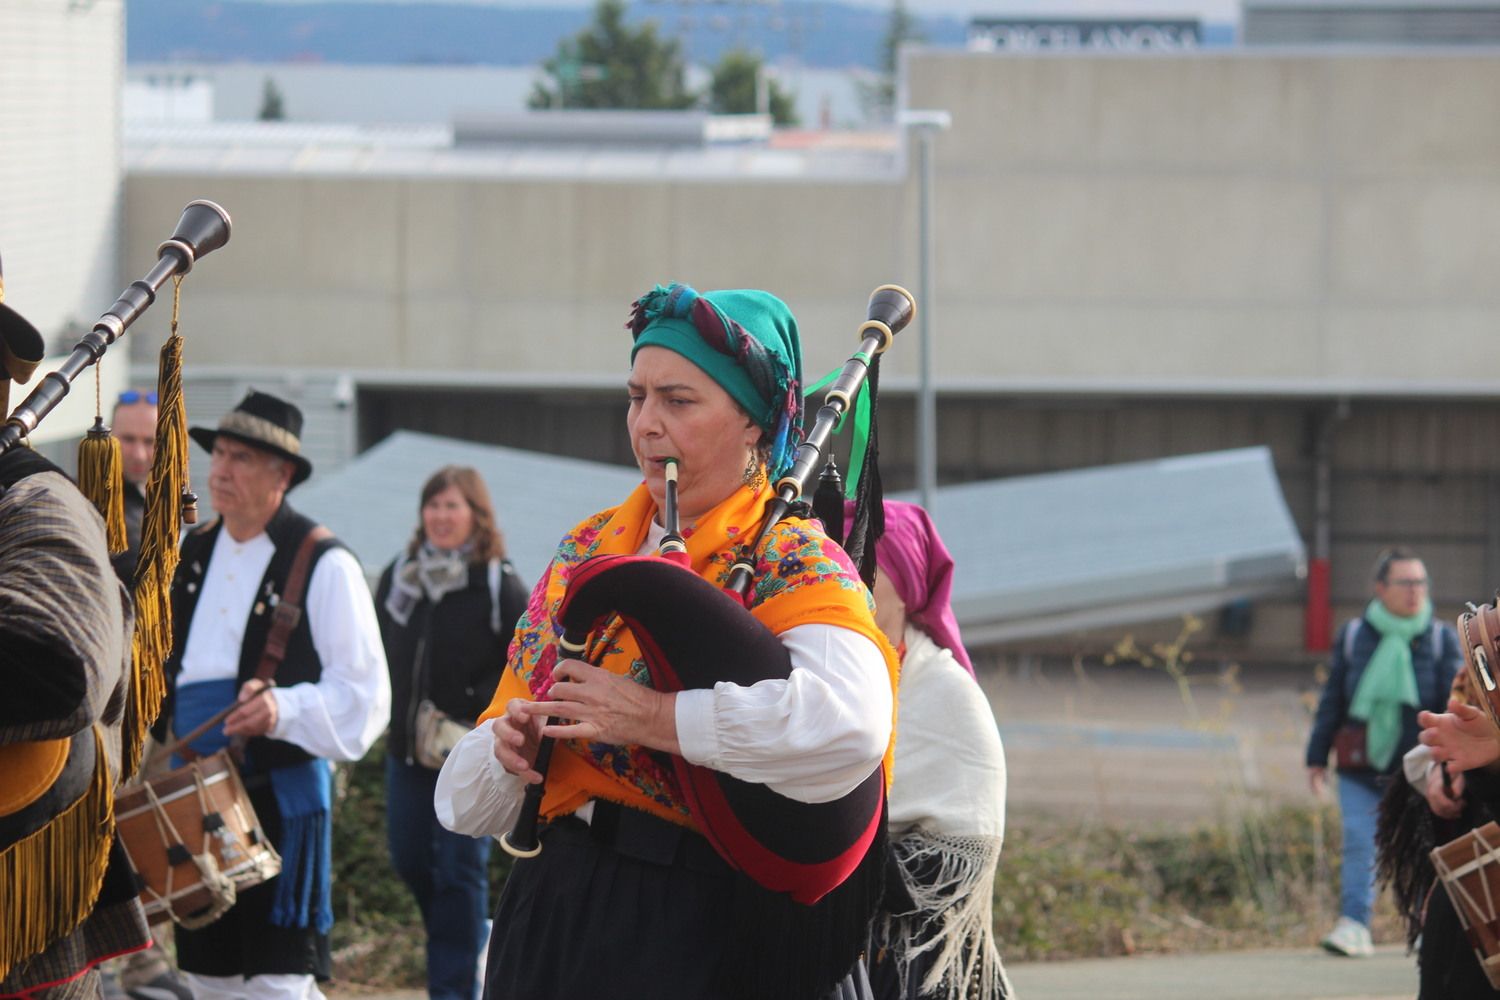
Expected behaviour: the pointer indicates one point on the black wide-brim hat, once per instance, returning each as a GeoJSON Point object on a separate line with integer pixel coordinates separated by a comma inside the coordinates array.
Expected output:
{"type": "Point", "coordinates": [21, 348]}
{"type": "Point", "coordinates": [262, 421]}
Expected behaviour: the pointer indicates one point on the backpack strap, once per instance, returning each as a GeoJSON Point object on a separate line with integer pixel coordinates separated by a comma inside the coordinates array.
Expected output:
{"type": "Point", "coordinates": [1350, 632]}
{"type": "Point", "coordinates": [497, 570]}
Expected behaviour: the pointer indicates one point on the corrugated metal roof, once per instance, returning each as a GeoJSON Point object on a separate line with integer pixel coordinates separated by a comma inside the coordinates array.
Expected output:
{"type": "Point", "coordinates": [430, 151]}
{"type": "Point", "coordinates": [1040, 555]}
{"type": "Point", "coordinates": [371, 503]}
{"type": "Point", "coordinates": [1036, 555]}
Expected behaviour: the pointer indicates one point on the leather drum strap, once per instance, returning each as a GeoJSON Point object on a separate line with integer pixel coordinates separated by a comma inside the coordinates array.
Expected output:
{"type": "Point", "coordinates": [288, 612]}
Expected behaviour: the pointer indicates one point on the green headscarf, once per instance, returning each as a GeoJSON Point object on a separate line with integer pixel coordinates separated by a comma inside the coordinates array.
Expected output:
{"type": "Point", "coordinates": [1388, 682]}
{"type": "Point", "coordinates": [746, 340]}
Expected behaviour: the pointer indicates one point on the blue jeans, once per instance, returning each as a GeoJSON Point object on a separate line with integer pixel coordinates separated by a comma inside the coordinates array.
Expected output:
{"type": "Point", "coordinates": [1359, 798]}
{"type": "Point", "coordinates": [447, 874]}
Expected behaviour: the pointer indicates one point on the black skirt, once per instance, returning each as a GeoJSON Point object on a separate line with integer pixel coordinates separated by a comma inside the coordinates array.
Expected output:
{"type": "Point", "coordinates": [630, 907]}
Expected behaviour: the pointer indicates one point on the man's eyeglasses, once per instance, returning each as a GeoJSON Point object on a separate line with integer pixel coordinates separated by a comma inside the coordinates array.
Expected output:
{"type": "Point", "coordinates": [130, 396]}
{"type": "Point", "coordinates": [1411, 584]}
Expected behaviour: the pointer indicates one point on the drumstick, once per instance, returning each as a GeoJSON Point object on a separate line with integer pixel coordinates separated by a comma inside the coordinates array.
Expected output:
{"type": "Point", "coordinates": [213, 720]}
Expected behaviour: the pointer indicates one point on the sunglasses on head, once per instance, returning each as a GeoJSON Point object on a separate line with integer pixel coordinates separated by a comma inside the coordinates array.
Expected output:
{"type": "Point", "coordinates": [132, 396]}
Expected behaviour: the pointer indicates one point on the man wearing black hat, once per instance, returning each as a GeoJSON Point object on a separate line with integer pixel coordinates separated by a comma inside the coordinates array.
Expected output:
{"type": "Point", "coordinates": [270, 610]}
{"type": "Point", "coordinates": [66, 896]}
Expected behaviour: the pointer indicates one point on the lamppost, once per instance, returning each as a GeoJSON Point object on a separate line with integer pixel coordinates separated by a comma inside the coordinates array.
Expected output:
{"type": "Point", "coordinates": [925, 125]}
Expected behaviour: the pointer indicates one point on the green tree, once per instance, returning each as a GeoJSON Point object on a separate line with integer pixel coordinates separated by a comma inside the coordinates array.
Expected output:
{"type": "Point", "coordinates": [735, 89]}
{"type": "Point", "coordinates": [611, 65]}
{"type": "Point", "coordinates": [879, 97]}
{"type": "Point", "coordinates": [272, 104]}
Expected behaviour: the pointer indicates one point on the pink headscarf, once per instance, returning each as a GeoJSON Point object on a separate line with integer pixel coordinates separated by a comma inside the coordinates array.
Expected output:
{"type": "Point", "coordinates": [921, 569]}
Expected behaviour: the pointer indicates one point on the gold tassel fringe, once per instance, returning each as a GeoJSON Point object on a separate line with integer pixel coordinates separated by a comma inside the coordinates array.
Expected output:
{"type": "Point", "coordinates": [50, 880]}
{"type": "Point", "coordinates": [161, 525]}
{"type": "Point", "coordinates": [101, 477]}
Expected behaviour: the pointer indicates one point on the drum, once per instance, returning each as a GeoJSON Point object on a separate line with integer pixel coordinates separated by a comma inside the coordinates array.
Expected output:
{"type": "Point", "coordinates": [1469, 868]}
{"type": "Point", "coordinates": [194, 840]}
{"type": "Point", "coordinates": [1479, 635]}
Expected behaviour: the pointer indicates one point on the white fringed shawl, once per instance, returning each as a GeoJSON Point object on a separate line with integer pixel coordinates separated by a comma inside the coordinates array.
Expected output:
{"type": "Point", "coordinates": [947, 815]}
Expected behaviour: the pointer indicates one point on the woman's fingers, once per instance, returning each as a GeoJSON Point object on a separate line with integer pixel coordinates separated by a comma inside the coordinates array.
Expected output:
{"type": "Point", "coordinates": [515, 740]}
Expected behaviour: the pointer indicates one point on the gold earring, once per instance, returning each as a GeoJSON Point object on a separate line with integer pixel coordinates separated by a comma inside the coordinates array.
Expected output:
{"type": "Point", "coordinates": [755, 473]}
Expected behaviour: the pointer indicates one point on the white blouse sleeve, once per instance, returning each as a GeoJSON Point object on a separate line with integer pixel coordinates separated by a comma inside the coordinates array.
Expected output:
{"type": "Point", "coordinates": [474, 794]}
{"type": "Point", "coordinates": [812, 737]}
{"type": "Point", "coordinates": [341, 715]}
{"type": "Point", "coordinates": [1416, 765]}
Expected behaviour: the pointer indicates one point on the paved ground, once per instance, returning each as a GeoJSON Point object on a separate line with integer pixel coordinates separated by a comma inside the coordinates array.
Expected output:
{"type": "Point", "coordinates": [1126, 744]}
{"type": "Point", "coordinates": [1247, 975]}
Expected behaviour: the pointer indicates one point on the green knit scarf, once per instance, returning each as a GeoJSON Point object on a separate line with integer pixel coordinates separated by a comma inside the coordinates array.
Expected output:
{"type": "Point", "coordinates": [1388, 682]}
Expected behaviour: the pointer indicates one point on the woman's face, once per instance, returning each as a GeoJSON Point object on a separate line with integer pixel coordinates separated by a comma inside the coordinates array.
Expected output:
{"type": "Point", "coordinates": [447, 519]}
{"type": "Point", "coordinates": [677, 411]}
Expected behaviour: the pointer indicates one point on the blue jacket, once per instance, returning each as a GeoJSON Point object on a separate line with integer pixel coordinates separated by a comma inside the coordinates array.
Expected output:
{"type": "Point", "coordinates": [1435, 658]}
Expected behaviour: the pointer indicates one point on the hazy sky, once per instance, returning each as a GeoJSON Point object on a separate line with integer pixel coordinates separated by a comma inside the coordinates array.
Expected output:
{"type": "Point", "coordinates": [1218, 11]}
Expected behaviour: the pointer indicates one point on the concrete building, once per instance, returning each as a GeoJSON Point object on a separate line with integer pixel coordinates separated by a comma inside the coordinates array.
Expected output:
{"type": "Point", "coordinates": [61, 67]}
{"type": "Point", "coordinates": [1138, 256]}
{"type": "Point", "coordinates": [1371, 22]}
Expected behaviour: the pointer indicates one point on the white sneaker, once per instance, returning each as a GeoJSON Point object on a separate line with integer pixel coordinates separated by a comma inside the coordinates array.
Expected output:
{"type": "Point", "coordinates": [1349, 937]}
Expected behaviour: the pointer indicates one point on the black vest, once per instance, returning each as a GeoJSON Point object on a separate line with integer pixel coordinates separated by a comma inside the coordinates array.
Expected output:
{"type": "Point", "coordinates": [286, 529]}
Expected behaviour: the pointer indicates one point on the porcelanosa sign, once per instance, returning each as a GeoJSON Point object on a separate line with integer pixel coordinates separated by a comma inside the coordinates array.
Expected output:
{"type": "Point", "coordinates": [1025, 35]}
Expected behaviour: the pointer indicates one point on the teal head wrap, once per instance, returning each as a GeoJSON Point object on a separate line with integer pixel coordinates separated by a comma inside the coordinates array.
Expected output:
{"type": "Point", "coordinates": [745, 340]}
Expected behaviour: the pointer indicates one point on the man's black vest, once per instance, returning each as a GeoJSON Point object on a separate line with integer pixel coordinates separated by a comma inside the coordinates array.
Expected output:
{"type": "Point", "coordinates": [286, 529]}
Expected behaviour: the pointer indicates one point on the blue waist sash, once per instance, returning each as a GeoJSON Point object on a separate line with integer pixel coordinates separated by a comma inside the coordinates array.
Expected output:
{"type": "Point", "coordinates": [304, 797]}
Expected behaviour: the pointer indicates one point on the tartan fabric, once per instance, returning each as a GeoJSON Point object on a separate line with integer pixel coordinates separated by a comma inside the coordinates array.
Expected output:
{"type": "Point", "coordinates": [64, 648]}
{"type": "Point", "coordinates": [62, 608]}
{"type": "Point", "coordinates": [62, 971]}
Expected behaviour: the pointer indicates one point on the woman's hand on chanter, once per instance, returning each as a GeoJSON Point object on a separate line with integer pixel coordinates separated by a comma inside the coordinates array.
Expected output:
{"type": "Point", "coordinates": [517, 734]}
{"type": "Point", "coordinates": [595, 704]}
{"type": "Point", "coordinates": [1463, 735]}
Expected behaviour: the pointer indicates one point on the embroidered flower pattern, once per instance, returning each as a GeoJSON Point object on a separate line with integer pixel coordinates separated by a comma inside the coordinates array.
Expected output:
{"type": "Point", "coordinates": [795, 554]}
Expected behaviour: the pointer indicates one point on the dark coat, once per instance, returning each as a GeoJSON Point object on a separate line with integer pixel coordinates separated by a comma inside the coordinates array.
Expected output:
{"type": "Point", "coordinates": [450, 653]}
{"type": "Point", "coordinates": [1435, 658]}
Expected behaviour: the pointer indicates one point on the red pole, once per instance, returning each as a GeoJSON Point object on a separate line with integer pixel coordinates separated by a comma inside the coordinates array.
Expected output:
{"type": "Point", "coordinates": [1318, 615]}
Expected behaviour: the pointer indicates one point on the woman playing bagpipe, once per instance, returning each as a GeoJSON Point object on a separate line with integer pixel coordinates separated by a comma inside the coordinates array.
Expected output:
{"type": "Point", "coordinates": [631, 895]}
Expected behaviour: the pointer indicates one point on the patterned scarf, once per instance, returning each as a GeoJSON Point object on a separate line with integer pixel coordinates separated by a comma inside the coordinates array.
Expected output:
{"type": "Point", "coordinates": [746, 340]}
{"type": "Point", "coordinates": [802, 578]}
{"type": "Point", "coordinates": [920, 567]}
{"type": "Point", "coordinates": [432, 572]}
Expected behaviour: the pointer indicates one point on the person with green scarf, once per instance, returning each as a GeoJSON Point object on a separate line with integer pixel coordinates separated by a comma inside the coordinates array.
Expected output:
{"type": "Point", "coordinates": [1387, 665]}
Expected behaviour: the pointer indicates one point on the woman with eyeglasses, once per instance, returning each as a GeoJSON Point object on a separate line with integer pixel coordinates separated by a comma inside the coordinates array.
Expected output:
{"type": "Point", "coordinates": [1390, 663]}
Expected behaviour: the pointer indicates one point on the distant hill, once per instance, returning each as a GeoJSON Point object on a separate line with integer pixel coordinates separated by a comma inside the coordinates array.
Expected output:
{"type": "Point", "coordinates": [819, 34]}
